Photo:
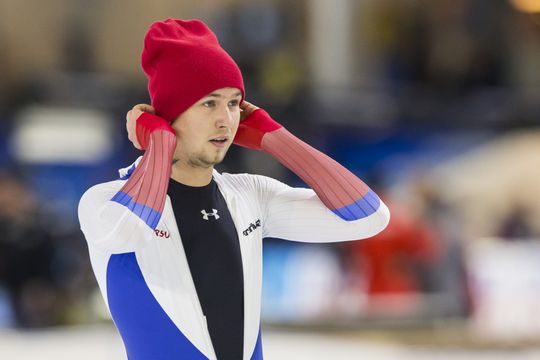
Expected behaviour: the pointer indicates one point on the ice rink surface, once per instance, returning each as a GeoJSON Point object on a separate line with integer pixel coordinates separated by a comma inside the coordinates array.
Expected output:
{"type": "Point", "coordinates": [104, 343]}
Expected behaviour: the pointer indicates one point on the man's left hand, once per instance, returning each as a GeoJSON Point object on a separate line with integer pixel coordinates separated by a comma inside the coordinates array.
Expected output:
{"type": "Point", "coordinates": [255, 123]}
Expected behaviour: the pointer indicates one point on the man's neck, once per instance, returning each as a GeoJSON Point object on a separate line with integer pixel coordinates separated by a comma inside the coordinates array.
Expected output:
{"type": "Point", "coordinates": [191, 176]}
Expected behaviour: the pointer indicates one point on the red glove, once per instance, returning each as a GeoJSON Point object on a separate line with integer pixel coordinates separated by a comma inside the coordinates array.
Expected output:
{"type": "Point", "coordinates": [253, 128]}
{"type": "Point", "coordinates": [148, 123]}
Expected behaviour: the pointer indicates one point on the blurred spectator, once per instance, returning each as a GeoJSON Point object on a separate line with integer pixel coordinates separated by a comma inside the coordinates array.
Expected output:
{"type": "Point", "coordinates": [418, 255]}
{"type": "Point", "coordinates": [448, 277]}
{"type": "Point", "coordinates": [396, 261]}
{"type": "Point", "coordinates": [26, 255]}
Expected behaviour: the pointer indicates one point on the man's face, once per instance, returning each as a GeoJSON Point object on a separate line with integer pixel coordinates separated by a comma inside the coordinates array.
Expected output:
{"type": "Point", "coordinates": [206, 130]}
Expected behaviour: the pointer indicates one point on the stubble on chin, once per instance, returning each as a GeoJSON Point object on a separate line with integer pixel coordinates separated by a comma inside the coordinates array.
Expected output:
{"type": "Point", "coordinates": [205, 161]}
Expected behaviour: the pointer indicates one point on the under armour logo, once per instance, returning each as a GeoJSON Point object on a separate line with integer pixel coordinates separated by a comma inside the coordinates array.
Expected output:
{"type": "Point", "coordinates": [205, 215]}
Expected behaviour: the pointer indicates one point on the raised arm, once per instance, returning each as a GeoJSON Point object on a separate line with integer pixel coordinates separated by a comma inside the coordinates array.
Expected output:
{"type": "Point", "coordinates": [122, 219]}
{"type": "Point", "coordinates": [145, 190]}
{"type": "Point", "coordinates": [337, 188]}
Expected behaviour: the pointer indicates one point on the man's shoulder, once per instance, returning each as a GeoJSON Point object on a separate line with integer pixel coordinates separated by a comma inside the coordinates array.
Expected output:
{"type": "Point", "coordinates": [95, 197]}
{"type": "Point", "coordinates": [105, 188]}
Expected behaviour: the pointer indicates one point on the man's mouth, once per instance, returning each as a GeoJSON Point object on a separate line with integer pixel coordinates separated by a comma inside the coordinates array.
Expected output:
{"type": "Point", "coordinates": [219, 141]}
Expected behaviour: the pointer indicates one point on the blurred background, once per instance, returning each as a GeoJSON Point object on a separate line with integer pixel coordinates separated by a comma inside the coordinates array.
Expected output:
{"type": "Point", "coordinates": [435, 103]}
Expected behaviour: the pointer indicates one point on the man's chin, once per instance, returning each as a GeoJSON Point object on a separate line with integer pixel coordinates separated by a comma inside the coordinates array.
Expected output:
{"type": "Point", "coordinates": [218, 158]}
{"type": "Point", "coordinates": [208, 161]}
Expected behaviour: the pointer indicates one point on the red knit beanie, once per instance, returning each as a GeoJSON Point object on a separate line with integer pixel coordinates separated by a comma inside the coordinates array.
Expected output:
{"type": "Point", "coordinates": [184, 62]}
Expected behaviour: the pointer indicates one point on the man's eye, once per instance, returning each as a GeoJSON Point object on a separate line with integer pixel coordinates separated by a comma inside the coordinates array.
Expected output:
{"type": "Point", "coordinates": [209, 103]}
{"type": "Point", "coordinates": [234, 103]}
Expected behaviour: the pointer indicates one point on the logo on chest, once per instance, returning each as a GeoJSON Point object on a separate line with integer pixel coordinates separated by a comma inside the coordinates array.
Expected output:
{"type": "Point", "coordinates": [162, 233]}
{"type": "Point", "coordinates": [206, 215]}
{"type": "Point", "coordinates": [252, 226]}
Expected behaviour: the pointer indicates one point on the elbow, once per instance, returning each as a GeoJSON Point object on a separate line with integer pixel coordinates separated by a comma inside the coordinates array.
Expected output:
{"type": "Point", "coordinates": [376, 222]}
{"type": "Point", "coordinates": [373, 224]}
{"type": "Point", "coordinates": [381, 219]}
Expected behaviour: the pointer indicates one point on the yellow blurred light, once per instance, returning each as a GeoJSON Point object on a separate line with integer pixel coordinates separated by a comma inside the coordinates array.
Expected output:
{"type": "Point", "coordinates": [528, 6]}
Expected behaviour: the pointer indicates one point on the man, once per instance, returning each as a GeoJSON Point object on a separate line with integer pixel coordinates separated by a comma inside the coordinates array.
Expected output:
{"type": "Point", "coordinates": [177, 250]}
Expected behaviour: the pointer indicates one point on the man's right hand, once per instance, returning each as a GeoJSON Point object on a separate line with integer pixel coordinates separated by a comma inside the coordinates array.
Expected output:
{"type": "Point", "coordinates": [131, 122]}
{"type": "Point", "coordinates": [140, 127]}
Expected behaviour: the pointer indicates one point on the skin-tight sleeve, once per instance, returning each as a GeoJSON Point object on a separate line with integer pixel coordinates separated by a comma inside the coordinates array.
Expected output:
{"type": "Point", "coordinates": [340, 190]}
{"type": "Point", "coordinates": [145, 190]}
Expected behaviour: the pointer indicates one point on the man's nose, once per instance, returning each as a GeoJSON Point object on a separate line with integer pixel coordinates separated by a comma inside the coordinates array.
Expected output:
{"type": "Point", "coordinates": [224, 116]}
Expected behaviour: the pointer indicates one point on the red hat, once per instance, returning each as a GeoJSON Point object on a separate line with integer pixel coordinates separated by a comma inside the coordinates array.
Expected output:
{"type": "Point", "coordinates": [184, 62]}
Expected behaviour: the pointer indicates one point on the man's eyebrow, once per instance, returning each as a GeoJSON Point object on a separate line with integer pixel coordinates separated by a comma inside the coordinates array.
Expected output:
{"type": "Point", "coordinates": [216, 95]}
